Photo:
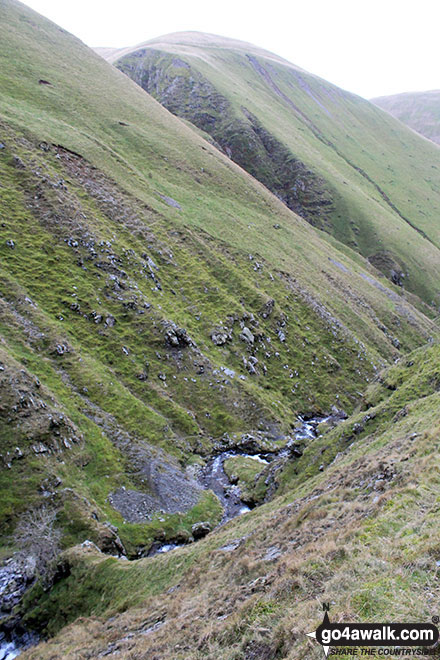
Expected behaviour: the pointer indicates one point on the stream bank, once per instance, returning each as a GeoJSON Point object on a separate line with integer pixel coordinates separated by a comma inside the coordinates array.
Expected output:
{"type": "Point", "coordinates": [270, 456]}
{"type": "Point", "coordinates": [15, 578]}
{"type": "Point", "coordinates": [214, 476]}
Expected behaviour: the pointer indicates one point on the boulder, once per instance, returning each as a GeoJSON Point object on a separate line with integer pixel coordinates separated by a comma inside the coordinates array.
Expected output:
{"type": "Point", "coordinates": [267, 308]}
{"type": "Point", "coordinates": [220, 337]}
{"type": "Point", "coordinates": [201, 529]}
{"type": "Point", "coordinates": [247, 336]}
{"type": "Point", "coordinates": [177, 337]}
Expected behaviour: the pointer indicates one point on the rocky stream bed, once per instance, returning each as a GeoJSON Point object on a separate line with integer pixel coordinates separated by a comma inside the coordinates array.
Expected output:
{"type": "Point", "coordinates": [17, 576]}
{"type": "Point", "coordinates": [214, 476]}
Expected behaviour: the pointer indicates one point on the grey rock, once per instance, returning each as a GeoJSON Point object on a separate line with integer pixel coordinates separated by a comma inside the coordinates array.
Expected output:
{"type": "Point", "coordinates": [250, 364]}
{"type": "Point", "coordinates": [18, 163]}
{"type": "Point", "coordinates": [40, 449]}
{"type": "Point", "coordinates": [267, 309]}
{"type": "Point", "coordinates": [272, 553]}
{"type": "Point", "coordinates": [247, 336]}
{"type": "Point", "coordinates": [397, 276]}
{"type": "Point", "coordinates": [281, 335]}
{"type": "Point", "coordinates": [339, 265]}
{"type": "Point", "coordinates": [220, 337]}
{"type": "Point", "coordinates": [30, 568]}
{"type": "Point", "coordinates": [90, 546]}
{"type": "Point", "coordinates": [233, 545]}
{"type": "Point", "coordinates": [338, 412]}
{"type": "Point", "coordinates": [170, 201]}
{"type": "Point", "coordinates": [177, 337]}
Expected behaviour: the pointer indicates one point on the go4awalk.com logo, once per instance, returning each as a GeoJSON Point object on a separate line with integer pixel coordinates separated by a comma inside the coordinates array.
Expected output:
{"type": "Point", "coordinates": [377, 639]}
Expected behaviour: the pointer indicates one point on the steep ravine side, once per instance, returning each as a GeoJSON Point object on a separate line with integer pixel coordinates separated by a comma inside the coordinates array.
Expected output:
{"type": "Point", "coordinates": [340, 162]}
{"type": "Point", "coordinates": [185, 92]}
{"type": "Point", "coordinates": [159, 307]}
{"type": "Point", "coordinates": [360, 519]}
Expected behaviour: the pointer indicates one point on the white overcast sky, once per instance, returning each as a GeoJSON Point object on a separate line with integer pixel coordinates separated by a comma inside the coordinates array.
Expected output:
{"type": "Point", "coordinates": [370, 47]}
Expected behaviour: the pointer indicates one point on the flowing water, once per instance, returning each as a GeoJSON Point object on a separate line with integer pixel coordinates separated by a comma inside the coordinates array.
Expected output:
{"type": "Point", "coordinates": [12, 647]}
{"type": "Point", "coordinates": [8, 650]}
{"type": "Point", "coordinates": [215, 478]}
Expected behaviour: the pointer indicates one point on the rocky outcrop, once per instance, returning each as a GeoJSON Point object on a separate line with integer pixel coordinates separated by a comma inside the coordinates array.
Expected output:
{"type": "Point", "coordinates": [36, 426]}
{"type": "Point", "coordinates": [200, 529]}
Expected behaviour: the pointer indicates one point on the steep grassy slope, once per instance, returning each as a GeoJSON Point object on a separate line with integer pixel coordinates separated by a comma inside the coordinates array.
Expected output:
{"type": "Point", "coordinates": [419, 110]}
{"type": "Point", "coordinates": [358, 529]}
{"type": "Point", "coordinates": [112, 296]}
{"type": "Point", "coordinates": [336, 159]}
{"type": "Point", "coordinates": [156, 301]}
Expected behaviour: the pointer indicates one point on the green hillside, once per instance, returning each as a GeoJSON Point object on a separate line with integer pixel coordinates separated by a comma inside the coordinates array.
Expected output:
{"type": "Point", "coordinates": [418, 110]}
{"type": "Point", "coordinates": [159, 307]}
{"type": "Point", "coordinates": [361, 533]}
{"type": "Point", "coordinates": [331, 156]}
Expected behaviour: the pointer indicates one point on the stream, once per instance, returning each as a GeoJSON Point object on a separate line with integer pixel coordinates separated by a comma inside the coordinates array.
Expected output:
{"type": "Point", "coordinates": [214, 476]}
{"type": "Point", "coordinates": [8, 650]}
{"type": "Point", "coordinates": [11, 647]}
{"type": "Point", "coordinates": [15, 578]}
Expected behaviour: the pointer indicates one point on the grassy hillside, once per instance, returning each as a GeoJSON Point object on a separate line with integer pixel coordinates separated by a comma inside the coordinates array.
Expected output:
{"type": "Point", "coordinates": [100, 268]}
{"type": "Point", "coordinates": [418, 110]}
{"type": "Point", "coordinates": [331, 156]}
{"type": "Point", "coordinates": [158, 303]}
{"type": "Point", "coordinates": [360, 529]}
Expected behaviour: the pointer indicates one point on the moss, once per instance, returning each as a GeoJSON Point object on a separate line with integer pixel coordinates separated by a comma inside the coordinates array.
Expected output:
{"type": "Point", "coordinates": [50, 301]}
{"type": "Point", "coordinates": [101, 266]}
{"type": "Point", "coordinates": [247, 471]}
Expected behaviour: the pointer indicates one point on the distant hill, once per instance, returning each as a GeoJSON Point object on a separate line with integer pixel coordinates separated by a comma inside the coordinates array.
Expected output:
{"type": "Point", "coordinates": [419, 110]}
